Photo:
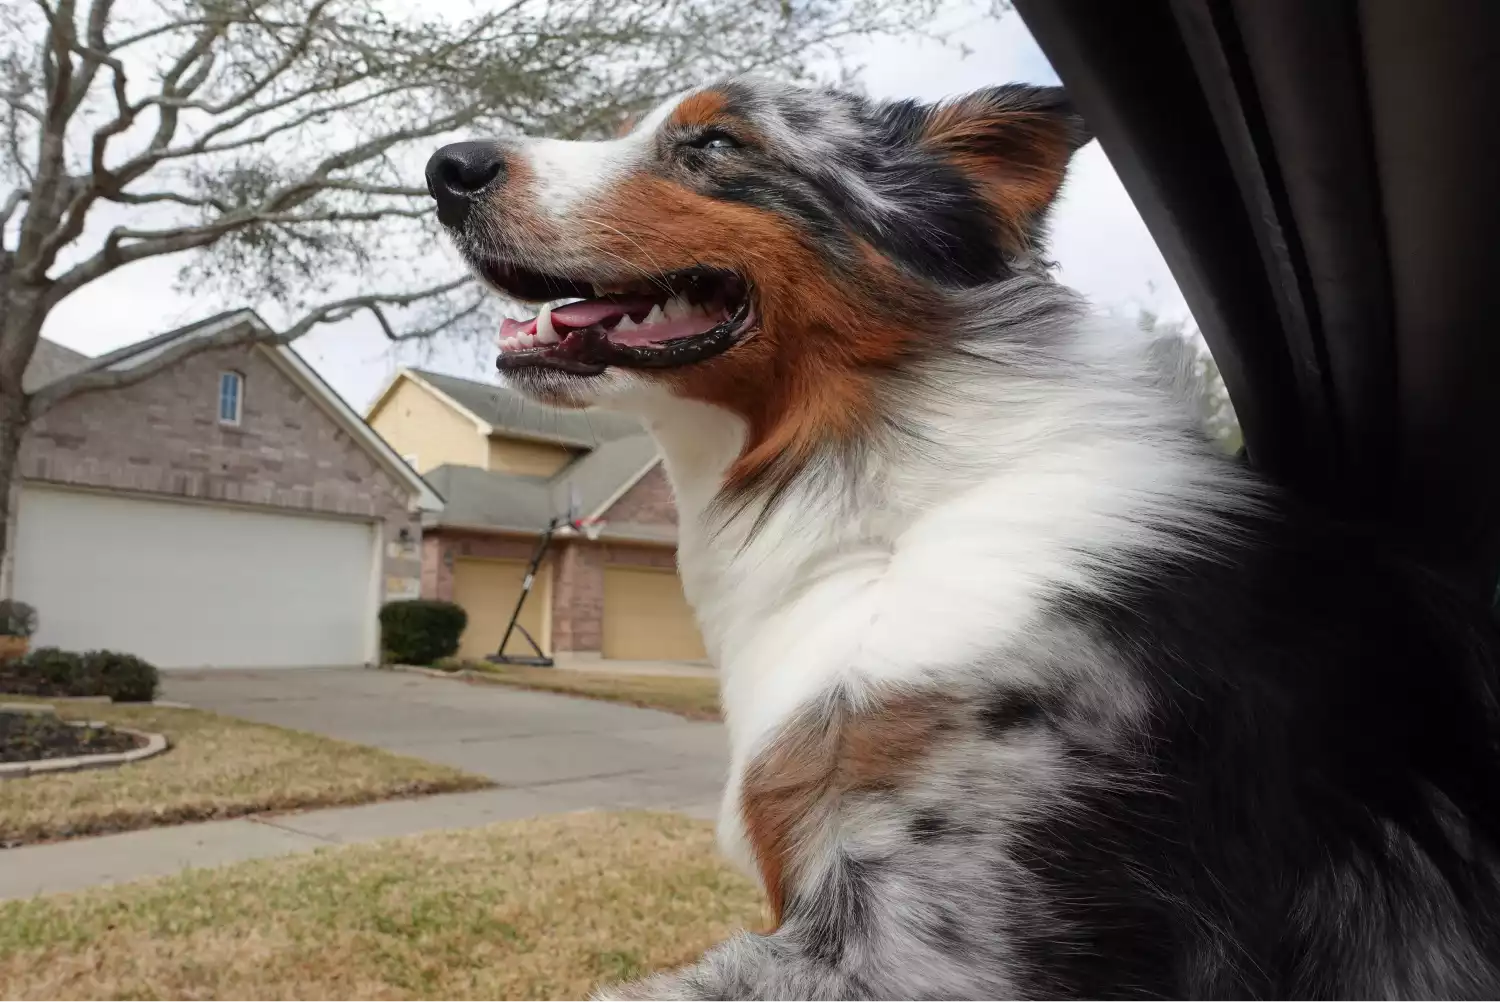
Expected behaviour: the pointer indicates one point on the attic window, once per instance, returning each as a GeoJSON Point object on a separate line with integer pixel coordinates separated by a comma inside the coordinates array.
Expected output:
{"type": "Point", "coordinates": [231, 397]}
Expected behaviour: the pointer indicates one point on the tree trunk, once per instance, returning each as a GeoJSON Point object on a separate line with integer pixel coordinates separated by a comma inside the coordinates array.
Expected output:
{"type": "Point", "coordinates": [21, 315]}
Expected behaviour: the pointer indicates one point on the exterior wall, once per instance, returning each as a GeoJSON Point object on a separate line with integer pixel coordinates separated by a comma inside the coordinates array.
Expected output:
{"type": "Point", "coordinates": [578, 589]}
{"type": "Point", "coordinates": [578, 599]}
{"type": "Point", "coordinates": [417, 423]}
{"type": "Point", "coordinates": [530, 459]}
{"type": "Point", "coordinates": [162, 436]}
{"type": "Point", "coordinates": [441, 547]}
{"type": "Point", "coordinates": [577, 577]}
{"type": "Point", "coordinates": [648, 502]}
{"type": "Point", "coordinates": [633, 555]}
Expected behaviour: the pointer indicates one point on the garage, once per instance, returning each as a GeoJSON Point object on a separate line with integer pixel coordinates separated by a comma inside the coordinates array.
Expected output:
{"type": "Point", "coordinates": [487, 590]}
{"type": "Point", "coordinates": [647, 618]}
{"type": "Point", "coordinates": [196, 585]}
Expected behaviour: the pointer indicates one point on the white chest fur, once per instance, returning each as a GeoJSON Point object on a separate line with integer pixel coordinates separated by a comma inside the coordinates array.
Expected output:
{"type": "Point", "coordinates": [923, 562]}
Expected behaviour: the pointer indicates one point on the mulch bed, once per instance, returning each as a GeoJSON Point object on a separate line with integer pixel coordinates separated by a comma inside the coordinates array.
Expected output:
{"type": "Point", "coordinates": [27, 737]}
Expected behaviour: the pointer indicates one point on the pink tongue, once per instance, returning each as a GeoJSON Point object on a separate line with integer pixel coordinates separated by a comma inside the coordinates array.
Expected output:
{"type": "Point", "coordinates": [592, 311]}
{"type": "Point", "coordinates": [581, 314]}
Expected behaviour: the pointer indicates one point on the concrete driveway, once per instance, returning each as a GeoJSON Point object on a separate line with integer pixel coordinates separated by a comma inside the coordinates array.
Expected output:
{"type": "Point", "coordinates": [575, 751]}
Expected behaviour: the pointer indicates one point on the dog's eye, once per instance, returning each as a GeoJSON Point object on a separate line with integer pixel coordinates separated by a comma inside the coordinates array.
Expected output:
{"type": "Point", "coordinates": [717, 142]}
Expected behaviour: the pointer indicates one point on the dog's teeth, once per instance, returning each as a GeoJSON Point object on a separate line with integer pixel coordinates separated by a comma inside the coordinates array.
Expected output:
{"type": "Point", "coordinates": [626, 324]}
{"type": "Point", "coordinates": [548, 336]}
{"type": "Point", "coordinates": [527, 340]}
{"type": "Point", "coordinates": [654, 317]}
{"type": "Point", "coordinates": [677, 309]}
{"type": "Point", "coordinates": [544, 328]}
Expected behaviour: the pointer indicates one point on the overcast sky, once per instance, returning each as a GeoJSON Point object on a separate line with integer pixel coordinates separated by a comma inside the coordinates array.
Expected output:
{"type": "Point", "coordinates": [1098, 238]}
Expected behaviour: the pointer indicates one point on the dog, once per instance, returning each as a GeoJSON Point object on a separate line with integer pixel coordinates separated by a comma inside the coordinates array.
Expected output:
{"type": "Point", "coordinates": [1030, 692]}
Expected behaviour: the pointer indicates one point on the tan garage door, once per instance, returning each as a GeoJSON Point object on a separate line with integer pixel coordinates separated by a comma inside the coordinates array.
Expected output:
{"type": "Point", "coordinates": [646, 617]}
{"type": "Point", "coordinates": [488, 589]}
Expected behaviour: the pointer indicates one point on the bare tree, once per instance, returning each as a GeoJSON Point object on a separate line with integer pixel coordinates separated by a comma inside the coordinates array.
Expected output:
{"type": "Point", "coordinates": [281, 141]}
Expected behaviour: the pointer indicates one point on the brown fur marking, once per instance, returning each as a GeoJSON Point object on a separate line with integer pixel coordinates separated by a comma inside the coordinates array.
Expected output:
{"type": "Point", "coordinates": [819, 757]}
{"type": "Point", "coordinates": [1018, 158]}
{"type": "Point", "coordinates": [700, 109]}
{"type": "Point", "coordinates": [804, 377]}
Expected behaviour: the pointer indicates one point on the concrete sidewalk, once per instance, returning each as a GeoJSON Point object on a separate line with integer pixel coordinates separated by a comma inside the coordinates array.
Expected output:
{"type": "Point", "coordinates": [155, 852]}
{"type": "Point", "coordinates": [549, 754]}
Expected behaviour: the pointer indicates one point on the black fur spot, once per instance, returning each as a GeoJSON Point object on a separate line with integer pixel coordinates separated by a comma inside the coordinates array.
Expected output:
{"type": "Point", "coordinates": [830, 917]}
{"type": "Point", "coordinates": [944, 931]}
{"type": "Point", "coordinates": [929, 826]}
{"type": "Point", "coordinates": [1008, 709]}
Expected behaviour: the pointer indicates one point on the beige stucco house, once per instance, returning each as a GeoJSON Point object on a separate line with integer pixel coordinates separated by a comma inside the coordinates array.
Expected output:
{"type": "Point", "coordinates": [505, 466]}
{"type": "Point", "coordinates": [229, 510]}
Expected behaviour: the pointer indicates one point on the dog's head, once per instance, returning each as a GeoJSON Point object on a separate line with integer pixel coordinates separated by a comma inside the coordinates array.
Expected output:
{"type": "Point", "coordinates": [759, 247]}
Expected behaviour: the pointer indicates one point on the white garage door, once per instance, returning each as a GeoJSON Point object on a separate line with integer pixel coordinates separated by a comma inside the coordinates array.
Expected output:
{"type": "Point", "coordinates": [195, 585]}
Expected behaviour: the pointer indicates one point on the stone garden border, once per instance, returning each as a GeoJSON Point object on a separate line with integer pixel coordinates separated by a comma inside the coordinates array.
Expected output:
{"type": "Point", "coordinates": [155, 745]}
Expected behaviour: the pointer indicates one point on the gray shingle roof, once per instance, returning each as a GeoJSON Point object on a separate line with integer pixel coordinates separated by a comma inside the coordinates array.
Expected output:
{"type": "Point", "coordinates": [613, 451]}
{"type": "Point", "coordinates": [506, 409]}
{"type": "Point", "coordinates": [509, 501]}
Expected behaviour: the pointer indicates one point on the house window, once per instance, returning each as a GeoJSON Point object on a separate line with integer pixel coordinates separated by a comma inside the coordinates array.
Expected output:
{"type": "Point", "coordinates": [231, 397]}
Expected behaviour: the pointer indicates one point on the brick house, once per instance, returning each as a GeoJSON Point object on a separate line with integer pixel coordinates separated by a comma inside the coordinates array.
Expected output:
{"type": "Point", "coordinates": [505, 467]}
{"type": "Point", "coordinates": [229, 510]}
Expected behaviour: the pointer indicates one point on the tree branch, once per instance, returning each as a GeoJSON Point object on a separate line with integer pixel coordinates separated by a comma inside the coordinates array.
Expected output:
{"type": "Point", "coordinates": [57, 77]}
{"type": "Point", "coordinates": [14, 199]}
{"type": "Point", "coordinates": [343, 309]}
{"type": "Point", "coordinates": [94, 55]}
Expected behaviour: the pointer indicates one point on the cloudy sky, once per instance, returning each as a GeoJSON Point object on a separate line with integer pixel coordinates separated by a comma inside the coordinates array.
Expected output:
{"type": "Point", "coordinates": [1098, 238]}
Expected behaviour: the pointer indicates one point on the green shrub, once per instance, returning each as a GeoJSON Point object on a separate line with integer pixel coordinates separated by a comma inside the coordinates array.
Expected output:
{"type": "Point", "coordinates": [56, 672]}
{"type": "Point", "coordinates": [124, 678]}
{"type": "Point", "coordinates": [48, 671]}
{"type": "Point", "coordinates": [420, 631]}
{"type": "Point", "coordinates": [17, 619]}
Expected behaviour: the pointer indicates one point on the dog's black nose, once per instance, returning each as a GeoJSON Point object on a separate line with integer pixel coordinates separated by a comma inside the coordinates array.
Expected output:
{"type": "Point", "coordinates": [458, 172]}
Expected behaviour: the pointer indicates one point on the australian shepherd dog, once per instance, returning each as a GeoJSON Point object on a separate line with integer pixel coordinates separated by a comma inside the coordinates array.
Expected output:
{"type": "Point", "coordinates": [1030, 693]}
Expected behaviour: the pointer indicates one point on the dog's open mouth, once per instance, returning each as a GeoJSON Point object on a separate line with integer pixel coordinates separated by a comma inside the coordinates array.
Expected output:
{"type": "Point", "coordinates": [670, 320]}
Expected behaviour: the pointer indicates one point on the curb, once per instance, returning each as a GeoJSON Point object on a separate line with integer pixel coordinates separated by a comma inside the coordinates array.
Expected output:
{"type": "Point", "coordinates": [430, 672]}
{"type": "Point", "coordinates": [155, 745]}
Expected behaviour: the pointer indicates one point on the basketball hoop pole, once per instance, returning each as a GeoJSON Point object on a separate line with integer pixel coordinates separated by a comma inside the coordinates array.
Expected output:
{"type": "Point", "coordinates": [591, 528]}
{"type": "Point", "coordinates": [540, 660]}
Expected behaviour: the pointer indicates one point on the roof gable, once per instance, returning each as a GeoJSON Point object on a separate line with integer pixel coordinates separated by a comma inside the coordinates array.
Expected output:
{"type": "Point", "coordinates": [500, 410]}
{"type": "Point", "coordinates": [289, 364]}
{"type": "Point", "coordinates": [51, 362]}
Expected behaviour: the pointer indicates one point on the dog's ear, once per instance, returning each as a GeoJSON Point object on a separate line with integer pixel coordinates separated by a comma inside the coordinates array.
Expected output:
{"type": "Point", "coordinates": [1014, 143]}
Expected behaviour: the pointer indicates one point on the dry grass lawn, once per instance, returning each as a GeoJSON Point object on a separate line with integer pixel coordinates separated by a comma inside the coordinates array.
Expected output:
{"type": "Point", "coordinates": [537, 909]}
{"type": "Point", "coordinates": [688, 696]}
{"type": "Point", "coordinates": [217, 767]}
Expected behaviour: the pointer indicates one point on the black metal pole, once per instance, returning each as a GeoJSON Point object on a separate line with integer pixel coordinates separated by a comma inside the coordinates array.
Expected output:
{"type": "Point", "coordinates": [531, 569]}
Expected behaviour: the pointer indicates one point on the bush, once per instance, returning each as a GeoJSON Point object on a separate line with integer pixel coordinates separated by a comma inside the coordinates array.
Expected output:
{"type": "Point", "coordinates": [17, 619]}
{"type": "Point", "coordinates": [48, 671]}
{"type": "Point", "coordinates": [124, 678]}
{"type": "Point", "coordinates": [420, 631]}
{"type": "Point", "coordinates": [57, 672]}
{"type": "Point", "coordinates": [450, 664]}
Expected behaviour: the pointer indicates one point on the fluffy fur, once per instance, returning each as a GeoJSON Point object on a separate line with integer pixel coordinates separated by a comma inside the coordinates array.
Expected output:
{"type": "Point", "coordinates": [1029, 692]}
